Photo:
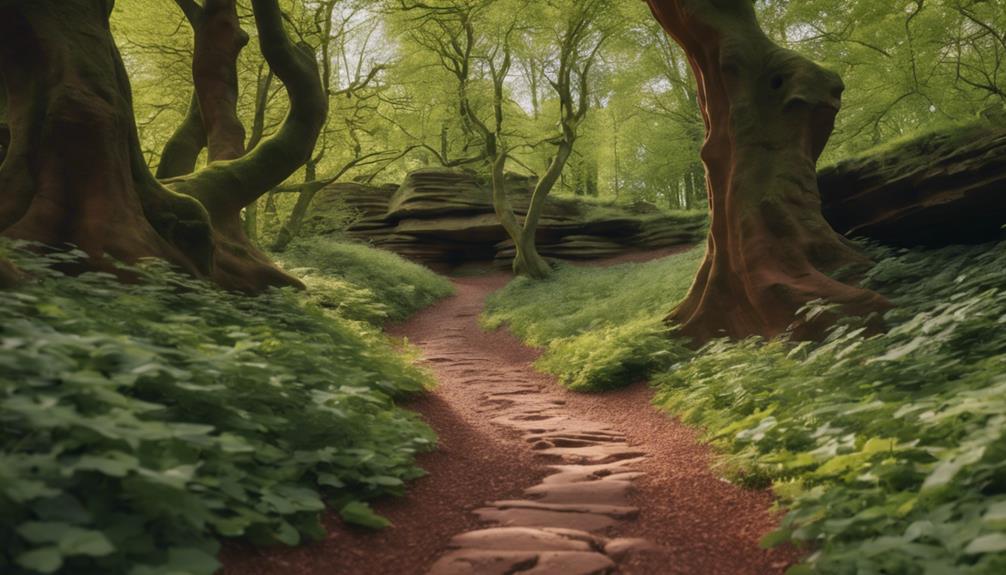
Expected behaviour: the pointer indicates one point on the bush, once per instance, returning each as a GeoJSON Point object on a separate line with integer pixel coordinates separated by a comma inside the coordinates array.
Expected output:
{"type": "Point", "coordinates": [140, 422]}
{"type": "Point", "coordinates": [362, 282]}
{"type": "Point", "coordinates": [890, 450]}
{"type": "Point", "coordinates": [602, 327]}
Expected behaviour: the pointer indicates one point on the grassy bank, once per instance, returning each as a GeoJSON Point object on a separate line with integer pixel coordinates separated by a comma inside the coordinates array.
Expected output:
{"type": "Point", "coordinates": [141, 422]}
{"type": "Point", "coordinates": [889, 451]}
{"type": "Point", "coordinates": [360, 282]}
{"type": "Point", "coordinates": [601, 327]}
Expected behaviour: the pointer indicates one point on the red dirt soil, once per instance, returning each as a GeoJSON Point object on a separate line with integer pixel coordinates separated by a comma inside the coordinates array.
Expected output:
{"type": "Point", "coordinates": [703, 524]}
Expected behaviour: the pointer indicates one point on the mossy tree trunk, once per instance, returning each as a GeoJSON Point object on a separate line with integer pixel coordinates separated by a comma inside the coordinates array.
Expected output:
{"type": "Point", "coordinates": [768, 114]}
{"type": "Point", "coordinates": [219, 40]}
{"type": "Point", "coordinates": [74, 173]}
{"type": "Point", "coordinates": [211, 120]}
{"type": "Point", "coordinates": [226, 187]}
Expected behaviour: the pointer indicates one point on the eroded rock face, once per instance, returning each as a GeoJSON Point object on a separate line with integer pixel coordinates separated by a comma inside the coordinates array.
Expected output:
{"type": "Point", "coordinates": [333, 205]}
{"type": "Point", "coordinates": [935, 190]}
{"type": "Point", "coordinates": [445, 217]}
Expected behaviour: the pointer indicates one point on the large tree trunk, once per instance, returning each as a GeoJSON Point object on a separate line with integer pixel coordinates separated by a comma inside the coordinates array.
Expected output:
{"type": "Point", "coordinates": [219, 40]}
{"type": "Point", "coordinates": [768, 114]}
{"type": "Point", "coordinates": [74, 172]}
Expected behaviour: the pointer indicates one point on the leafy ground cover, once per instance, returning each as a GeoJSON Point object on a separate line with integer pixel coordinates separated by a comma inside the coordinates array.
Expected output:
{"type": "Point", "coordinates": [601, 327]}
{"type": "Point", "coordinates": [360, 282]}
{"type": "Point", "coordinates": [141, 422]}
{"type": "Point", "coordinates": [888, 451]}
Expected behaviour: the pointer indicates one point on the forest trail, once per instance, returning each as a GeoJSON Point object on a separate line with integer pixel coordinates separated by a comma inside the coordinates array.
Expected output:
{"type": "Point", "coordinates": [532, 478]}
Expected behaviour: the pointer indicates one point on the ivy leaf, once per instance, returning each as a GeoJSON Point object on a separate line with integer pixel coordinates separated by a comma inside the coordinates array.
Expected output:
{"type": "Point", "coordinates": [775, 538]}
{"type": "Point", "coordinates": [70, 540]}
{"type": "Point", "coordinates": [287, 534]}
{"type": "Point", "coordinates": [192, 560]}
{"type": "Point", "coordinates": [86, 542]}
{"type": "Point", "coordinates": [44, 531]}
{"type": "Point", "coordinates": [947, 470]}
{"type": "Point", "coordinates": [42, 560]}
{"type": "Point", "coordinates": [360, 513]}
{"type": "Point", "coordinates": [991, 543]}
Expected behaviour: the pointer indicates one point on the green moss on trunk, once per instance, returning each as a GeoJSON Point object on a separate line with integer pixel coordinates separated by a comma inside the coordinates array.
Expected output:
{"type": "Point", "coordinates": [768, 113]}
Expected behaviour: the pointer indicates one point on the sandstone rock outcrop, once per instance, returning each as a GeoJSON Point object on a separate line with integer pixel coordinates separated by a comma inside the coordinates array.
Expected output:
{"type": "Point", "coordinates": [445, 217]}
{"type": "Point", "coordinates": [942, 188]}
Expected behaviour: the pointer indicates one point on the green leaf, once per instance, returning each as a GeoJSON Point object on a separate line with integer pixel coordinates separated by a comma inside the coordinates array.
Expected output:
{"type": "Point", "coordinates": [286, 533]}
{"type": "Point", "coordinates": [42, 560]}
{"type": "Point", "coordinates": [777, 537]}
{"type": "Point", "coordinates": [360, 513]}
{"type": "Point", "coordinates": [113, 464]}
{"type": "Point", "coordinates": [193, 561]}
{"type": "Point", "coordinates": [71, 540]}
{"type": "Point", "coordinates": [384, 480]}
{"type": "Point", "coordinates": [330, 480]}
{"type": "Point", "coordinates": [991, 543]}
{"type": "Point", "coordinates": [86, 542]}
{"type": "Point", "coordinates": [947, 470]}
{"type": "Point", "coordinates": [44, 531]}
{"type": "Point", "coordinates": [995, 514]}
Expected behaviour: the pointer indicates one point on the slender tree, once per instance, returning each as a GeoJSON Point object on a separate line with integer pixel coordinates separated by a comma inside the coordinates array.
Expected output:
{"type": "Point", "coordinates": [768, 114]}
{"type": "Point", "coordinates": [579, 43]}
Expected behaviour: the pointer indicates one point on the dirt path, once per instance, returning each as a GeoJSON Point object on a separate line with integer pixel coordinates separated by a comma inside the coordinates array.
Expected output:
{"type": "Point", "coordinates": [531, 478]}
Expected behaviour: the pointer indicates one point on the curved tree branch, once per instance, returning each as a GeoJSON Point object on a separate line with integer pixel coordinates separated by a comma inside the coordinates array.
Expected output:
{"type": "Point", "coordinates": [229, 186]}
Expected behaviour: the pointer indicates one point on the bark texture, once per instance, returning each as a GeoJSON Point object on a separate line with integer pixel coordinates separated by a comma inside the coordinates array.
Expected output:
{"type": "Point", "coordinates": [226, 187]}
{"type": "Point", "coordinates": [218, 42]}
{"type": "Point", "coordinates": [74, 172]}
{"type": "Point", "coordinates": [768, 114]}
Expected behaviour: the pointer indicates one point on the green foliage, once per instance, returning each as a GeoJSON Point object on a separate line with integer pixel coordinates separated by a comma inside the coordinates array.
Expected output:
{"type": "Point", "coordinates": [602, 327]}
{"type": "Point", "coordinates": [362, 283]}
{"type": "Point", "coordinates": [142, 421]}
{"type": "Point", "coordinates": [889, 451]}
{"type": "Point", "coordinates": [612, 356]}
{"type": "Point", "coordinates": [907, 66]}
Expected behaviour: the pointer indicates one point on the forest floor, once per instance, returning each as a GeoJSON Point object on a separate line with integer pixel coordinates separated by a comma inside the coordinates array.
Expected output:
{"type": "Point", "coordinates": [530, 477]}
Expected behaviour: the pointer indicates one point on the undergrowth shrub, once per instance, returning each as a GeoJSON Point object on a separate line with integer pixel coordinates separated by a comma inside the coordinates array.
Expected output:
{"type": "Point", "coordinates": [361, 282]}
{"type": "Point", "coordinates": [890, 450]}
{"type": "Point", "coordinates": [602, 327]}
{"type": "Point", "coordinates": [140, 422]}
